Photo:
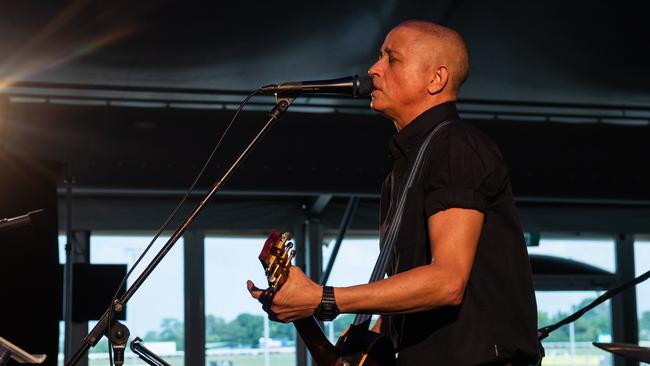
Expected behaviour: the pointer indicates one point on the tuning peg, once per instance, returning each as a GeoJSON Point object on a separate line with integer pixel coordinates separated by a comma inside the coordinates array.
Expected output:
{"type": "Point", "coordinates": [272, 275]}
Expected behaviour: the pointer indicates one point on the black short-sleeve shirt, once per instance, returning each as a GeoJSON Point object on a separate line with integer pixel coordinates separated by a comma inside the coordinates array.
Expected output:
{"type": "Point", "coordinates": [497, 318]}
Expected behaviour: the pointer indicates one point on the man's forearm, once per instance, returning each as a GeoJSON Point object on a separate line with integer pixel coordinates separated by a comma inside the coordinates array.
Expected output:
{"type": "Point", "coordinates": [421, 288]}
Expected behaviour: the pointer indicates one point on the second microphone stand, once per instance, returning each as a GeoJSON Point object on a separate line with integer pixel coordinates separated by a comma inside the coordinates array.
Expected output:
{"type": "Point", "coordinates": [119, 333]}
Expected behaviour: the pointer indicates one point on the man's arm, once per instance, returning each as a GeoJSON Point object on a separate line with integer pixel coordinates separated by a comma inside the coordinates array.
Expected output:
{"type": "Point", "coordinates": [453, 236]}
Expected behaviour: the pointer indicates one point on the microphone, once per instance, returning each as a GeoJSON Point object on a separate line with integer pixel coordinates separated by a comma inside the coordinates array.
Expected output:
{"type": "Point", "coordinates": [355, 86]}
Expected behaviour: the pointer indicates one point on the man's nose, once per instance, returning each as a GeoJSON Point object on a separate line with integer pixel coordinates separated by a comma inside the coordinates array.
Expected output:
{"type": "Point", "coordinates": [375, 69]}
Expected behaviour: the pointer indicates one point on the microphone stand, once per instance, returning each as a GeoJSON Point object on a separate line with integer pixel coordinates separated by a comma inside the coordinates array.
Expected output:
{"type": "Point", "coordinates": [119, 333]}
{"type": "Point", "coordinates": [19, 221]}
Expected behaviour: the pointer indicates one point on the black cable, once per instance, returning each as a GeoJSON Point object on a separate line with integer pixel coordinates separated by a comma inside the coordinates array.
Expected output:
{"type": "Point", "coordinates": [172, 215]}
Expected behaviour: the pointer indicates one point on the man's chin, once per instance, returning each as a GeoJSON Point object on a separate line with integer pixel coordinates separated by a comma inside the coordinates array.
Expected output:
{"type": "Point", "coordinates": [375, 106]}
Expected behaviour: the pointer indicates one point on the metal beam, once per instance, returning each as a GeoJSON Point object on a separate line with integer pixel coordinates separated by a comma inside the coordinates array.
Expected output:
{"type": "Point", "coordinates": [299, 236]}
{"type": "Point", "coordinates": [4, 116]}
{"type": "Point", "coordinates": [625, 328]}
{"type": "Point", "coordinates": [79, 329]}
{"type": "Point", "coordinates": [194, 263]}
{"type": "Point", "coordinates": [308, 238]}
{"type": "Point", "coordinates": [550, 282]}
{"type": "Point", "coordinates": [68, 273]}
{"type": "Point", "coordinates": [314, 230]}
{"type": "Point", "coordinates": [319, 204]}
{"type": "Point", "coordinates": [350, 210]}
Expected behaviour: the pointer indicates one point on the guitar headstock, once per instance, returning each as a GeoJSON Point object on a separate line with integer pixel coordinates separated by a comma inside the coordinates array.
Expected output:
{"type": "Point", "coordinates": [276, 256]}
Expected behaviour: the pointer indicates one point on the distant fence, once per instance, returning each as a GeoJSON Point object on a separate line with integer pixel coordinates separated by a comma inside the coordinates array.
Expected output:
{"type": "Point", "coordinates": [557, 354]}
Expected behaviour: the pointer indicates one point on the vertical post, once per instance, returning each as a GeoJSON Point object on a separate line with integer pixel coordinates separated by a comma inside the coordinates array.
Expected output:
{"type": "Point", "coordinates": [624, 313]}
{"type": "Point", "coordinates": [194, 263]}
{"type": "Point", "coordinates": [68, 272]}
{"type": "Point", "coordinates": [348, 215]}
{"type": "Point", "coordinates": [4, 116]}
{"type": "Point", "coordinates": [572, 342]}
{"type": "Point", "coordinates": [314, 251]}
{"type": "Point", "coordinates": [314, 248]}
{"type": "Point", "coordinates": [78, 330]}
{"type": "Point", "coordinates": [300, 235]}
{"type": "Point", "coordinates": [267, 336]}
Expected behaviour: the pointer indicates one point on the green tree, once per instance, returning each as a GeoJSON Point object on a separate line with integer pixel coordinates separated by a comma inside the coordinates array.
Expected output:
{"type": "Point", "coordinates": [282, 331]}
{"type": "Point", "coordinates": [587, 329]}
{"type": "Point", "coordinates": [644, 326]}
{"type": "Point", "coordinates": [246, 329]}
{"type": "Point", "coordinates": [171, 330]}
{"type": "Point", "coordinates": [543, 319]}
{"type": "Point", "coordinates": [213, 329]}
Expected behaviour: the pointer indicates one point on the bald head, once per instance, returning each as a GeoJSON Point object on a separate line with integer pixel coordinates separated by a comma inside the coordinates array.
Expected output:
{"type": "Point", "coordinates": [441, 46]}
{"type": "Point", "coordinates": [420, 65]}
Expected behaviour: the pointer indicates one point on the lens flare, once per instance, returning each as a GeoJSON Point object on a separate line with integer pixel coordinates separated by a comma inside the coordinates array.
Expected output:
{"type": "Point", "coordinates": [40, 53]}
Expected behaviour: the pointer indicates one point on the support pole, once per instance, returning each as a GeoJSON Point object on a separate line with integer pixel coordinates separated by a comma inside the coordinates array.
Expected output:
{"type": "Point", "coordinates": [625, 328]}
{"type": "Point", "coordinates": [299, 236]}
{"type": "Point", "coordinates": [4, 116]}
{"type": "Point", "coordinates": [68, 272]}
{"type": "Point", "coordinates": [79, 329]}
{"type": "Point", "coordinates": [348, 215]}
{"type": "Point", "coordinates": [314, 229]}
{"type": "Point", "coordinates": [194, 263]}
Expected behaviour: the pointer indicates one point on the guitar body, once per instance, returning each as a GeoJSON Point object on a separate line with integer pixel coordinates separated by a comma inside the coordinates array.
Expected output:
{"type": "Point", "coordinates": [358, 346]}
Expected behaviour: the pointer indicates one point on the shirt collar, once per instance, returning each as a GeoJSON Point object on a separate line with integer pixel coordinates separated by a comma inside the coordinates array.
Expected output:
{"type": "Point", "coordinates": [410, 136]}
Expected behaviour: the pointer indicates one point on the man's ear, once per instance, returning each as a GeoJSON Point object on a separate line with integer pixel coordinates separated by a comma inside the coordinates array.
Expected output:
{"type": "Point", "coordinates": [440, 77]}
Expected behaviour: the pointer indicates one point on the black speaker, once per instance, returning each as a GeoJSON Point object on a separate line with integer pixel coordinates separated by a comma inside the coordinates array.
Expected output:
{"type": "Point", "coordinates": [30, 288]}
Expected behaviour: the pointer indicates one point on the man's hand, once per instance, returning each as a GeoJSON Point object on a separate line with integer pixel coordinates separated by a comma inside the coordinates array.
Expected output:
{"type": "Point", "coordinates": [297, 298]}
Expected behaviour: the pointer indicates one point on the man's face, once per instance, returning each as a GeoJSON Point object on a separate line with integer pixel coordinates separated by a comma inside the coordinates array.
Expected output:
{"type": "Point", "coordinates": [400, 75]}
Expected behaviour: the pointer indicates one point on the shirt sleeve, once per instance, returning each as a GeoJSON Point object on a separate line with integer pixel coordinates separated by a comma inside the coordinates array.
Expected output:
{"type": "Point", "coordinates": [461, 173]}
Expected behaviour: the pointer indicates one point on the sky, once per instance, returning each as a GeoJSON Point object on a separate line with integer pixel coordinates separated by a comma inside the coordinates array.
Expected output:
{"type": "Point", "coordinates": [232, 261]}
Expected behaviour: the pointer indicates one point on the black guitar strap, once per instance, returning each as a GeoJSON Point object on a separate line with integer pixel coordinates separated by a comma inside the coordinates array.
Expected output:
{"type": "Point", "coordinates": [394, 220]}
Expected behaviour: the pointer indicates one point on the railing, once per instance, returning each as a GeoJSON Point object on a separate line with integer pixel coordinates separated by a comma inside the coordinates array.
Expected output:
{"type": "Point", "coordinates": [203, 98]}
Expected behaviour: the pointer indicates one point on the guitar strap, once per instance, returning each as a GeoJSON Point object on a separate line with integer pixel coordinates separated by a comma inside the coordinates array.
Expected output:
{"type": "Point", "coordinates": [394, 220]}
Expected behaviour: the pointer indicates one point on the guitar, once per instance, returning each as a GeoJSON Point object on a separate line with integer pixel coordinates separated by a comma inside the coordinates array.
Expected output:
{"type": "Point", "coordinates": [357, 346]}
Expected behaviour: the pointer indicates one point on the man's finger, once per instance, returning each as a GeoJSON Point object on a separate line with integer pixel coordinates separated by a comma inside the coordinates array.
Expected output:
{"type": "Point", "coordinates": [254, 291]}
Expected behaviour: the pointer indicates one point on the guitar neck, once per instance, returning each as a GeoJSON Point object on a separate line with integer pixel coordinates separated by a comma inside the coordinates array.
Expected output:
{"type": "Point", "coordinates": [322, 351]}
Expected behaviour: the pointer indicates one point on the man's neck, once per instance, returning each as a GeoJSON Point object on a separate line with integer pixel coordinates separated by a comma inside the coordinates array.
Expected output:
{"type": "Point", "coordinates": [412, 114]}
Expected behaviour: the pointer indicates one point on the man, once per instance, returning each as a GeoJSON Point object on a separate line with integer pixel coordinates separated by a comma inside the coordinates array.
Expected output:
{"type": "Point", "coordinates": [460, 292]}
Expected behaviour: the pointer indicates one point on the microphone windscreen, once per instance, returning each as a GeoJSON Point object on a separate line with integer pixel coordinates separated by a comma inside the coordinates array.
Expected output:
{"type": "Point", "coordinates": [363, 86]}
